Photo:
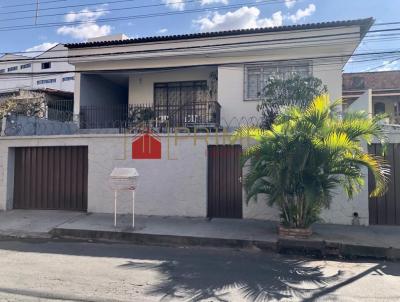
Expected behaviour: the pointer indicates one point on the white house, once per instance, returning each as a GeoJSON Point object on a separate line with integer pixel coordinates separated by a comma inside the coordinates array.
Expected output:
{"type": "Point", "coordinates": [207, 80]}
{"type": "Point", "coordinates": [29, 73]}
{"type": "Point", "coordinates": [145, 70]}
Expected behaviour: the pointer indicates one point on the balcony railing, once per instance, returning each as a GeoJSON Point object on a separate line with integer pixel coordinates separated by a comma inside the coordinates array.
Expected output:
{"type": "Point", "coordinates": [162, 116]}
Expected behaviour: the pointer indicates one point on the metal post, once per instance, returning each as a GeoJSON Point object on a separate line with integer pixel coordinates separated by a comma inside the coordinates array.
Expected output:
{"type": "Point", "coordinates": [133, 209]}
{"type": "Point", "coordinates": [3, 126]}
{"type": "Point", "coordinates": [115, 208]}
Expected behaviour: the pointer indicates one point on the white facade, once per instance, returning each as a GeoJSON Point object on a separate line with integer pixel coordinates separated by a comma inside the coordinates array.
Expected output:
{"type": "Point", "coordinates": [135, 68]}
{"type": "Point", "coordinates": [176, 185]}
{"type": "Point", "coordinates": [15, 71]}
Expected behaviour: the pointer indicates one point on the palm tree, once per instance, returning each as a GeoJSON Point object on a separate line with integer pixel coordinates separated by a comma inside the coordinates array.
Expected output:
{"type": "Point", "coordinates": [309, 153]}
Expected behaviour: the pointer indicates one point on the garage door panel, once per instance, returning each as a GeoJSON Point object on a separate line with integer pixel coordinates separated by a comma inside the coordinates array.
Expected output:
{"type": "Point", "coordinates": [53, 178]}
{"type": "Point", "coordinates": [385, 210]}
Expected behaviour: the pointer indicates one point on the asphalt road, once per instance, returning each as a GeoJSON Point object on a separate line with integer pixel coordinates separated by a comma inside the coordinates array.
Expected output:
{"type": "Point", "coordinates": [73, 271]}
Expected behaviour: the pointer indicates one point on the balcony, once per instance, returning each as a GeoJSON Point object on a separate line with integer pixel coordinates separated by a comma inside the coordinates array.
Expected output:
{"type": "Point", "coordinates": [162, 117]}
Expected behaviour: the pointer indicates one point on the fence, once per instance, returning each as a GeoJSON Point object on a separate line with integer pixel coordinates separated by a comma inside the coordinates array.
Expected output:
{"type": "Point", "coordinates": [127, 116]}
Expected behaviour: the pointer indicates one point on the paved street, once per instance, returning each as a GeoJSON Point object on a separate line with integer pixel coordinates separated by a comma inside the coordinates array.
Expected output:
{"type": "Point", "coordinates": [72, 271]}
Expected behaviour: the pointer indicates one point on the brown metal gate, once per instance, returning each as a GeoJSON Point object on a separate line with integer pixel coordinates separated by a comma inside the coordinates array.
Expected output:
{"type": "Point", "coordinates": [51, 178]}
{"type": "Point", "coordinates": [224, 181]}
{"type": "Point", "coordinates": [385, 210]}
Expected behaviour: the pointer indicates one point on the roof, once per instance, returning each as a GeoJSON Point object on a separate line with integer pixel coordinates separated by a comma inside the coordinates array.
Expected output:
{"type": "Point", "coordinates": [48, 91]}
{"type": "Point", "coordinates": [10, 56]}
{"type": "Point", "coordinates": [364, 24]}
{"type": "Point", "coordinates": [381, 80]}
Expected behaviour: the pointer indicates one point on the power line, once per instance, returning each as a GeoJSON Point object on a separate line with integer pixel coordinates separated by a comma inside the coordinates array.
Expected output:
{"type": "Point", "coordinates": [30, 4]}
{"type": "Point", "coordinates": [104, 10]}
{"type": "Point", "coordinates": [184, 48]}
{"type": "Point", "coordinates": [316, 63]}
{"type": "Point", "coordinates": [66, 6]}
{"type": "Point", "coordinates": [383, 65]}
{"type": "Point", "coordinates": [132, 17]}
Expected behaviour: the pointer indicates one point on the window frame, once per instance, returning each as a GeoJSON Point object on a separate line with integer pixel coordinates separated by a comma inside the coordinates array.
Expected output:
{"type": "Point", "coordinates": [46, 81]}
{"type": "Point", "coordinates": [67, 79]}
{"type": "Point", "coordinates": [44, 63]}
{"type": "Point", "coordinates": [12, 68]}
{"type": "Point", "coordinates": [270, 65]}
{"type": "Point", "coordinates": [25, 66]}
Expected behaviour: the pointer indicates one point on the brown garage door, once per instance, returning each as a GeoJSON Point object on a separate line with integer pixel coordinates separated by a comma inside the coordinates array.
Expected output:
{"type": "Point", "coordinates": [385, 210]}
{"type": "Point", "coordinates": [51, 178]}
{"type": "Point", "coordinates": [224, 181]}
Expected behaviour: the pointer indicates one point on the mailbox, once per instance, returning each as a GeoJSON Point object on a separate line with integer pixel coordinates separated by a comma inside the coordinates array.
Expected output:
{"type": "Point", "coordinates": [124, 179]}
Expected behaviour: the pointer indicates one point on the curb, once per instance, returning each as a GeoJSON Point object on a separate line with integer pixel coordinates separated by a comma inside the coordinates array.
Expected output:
{"type": "Point", "coordinates": [304, 247]}
{"type": "Point", "coordinates": [160, 240]}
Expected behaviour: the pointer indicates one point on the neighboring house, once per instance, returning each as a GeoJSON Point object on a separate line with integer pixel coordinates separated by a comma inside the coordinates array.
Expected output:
{"type": "Point", "coordinates": [205, 79]}
{"type": "Point", "coordinates": [17, 71]}
{"type": "Point", "coordinates": [385, 88]}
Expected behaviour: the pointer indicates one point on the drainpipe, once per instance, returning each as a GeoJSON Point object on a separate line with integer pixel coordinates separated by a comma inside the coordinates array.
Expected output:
{"type": "Point", "coordinates": [3, 126]}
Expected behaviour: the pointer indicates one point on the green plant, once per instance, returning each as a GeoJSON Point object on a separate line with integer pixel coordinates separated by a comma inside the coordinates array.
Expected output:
{"type": "Point", "coordinates": [278, 94]}
{"type": "Point", "coordinates": [306, 155]}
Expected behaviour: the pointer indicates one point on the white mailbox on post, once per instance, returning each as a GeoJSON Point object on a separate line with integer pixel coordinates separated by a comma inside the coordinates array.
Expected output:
{"type": "Point", "coordinates": [124, 179]}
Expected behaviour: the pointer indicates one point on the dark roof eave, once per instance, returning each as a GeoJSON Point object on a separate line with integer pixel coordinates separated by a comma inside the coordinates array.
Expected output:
{"type": "Point", "coordinates": [364, 24]}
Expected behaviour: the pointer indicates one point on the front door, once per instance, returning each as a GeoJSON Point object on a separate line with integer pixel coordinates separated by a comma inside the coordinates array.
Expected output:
{"type": "Point", "coordinates": [224, 181]}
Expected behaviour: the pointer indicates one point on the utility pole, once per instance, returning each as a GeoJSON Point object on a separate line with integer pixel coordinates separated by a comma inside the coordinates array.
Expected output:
{"type": "Point", "coordinates": [37, 11]}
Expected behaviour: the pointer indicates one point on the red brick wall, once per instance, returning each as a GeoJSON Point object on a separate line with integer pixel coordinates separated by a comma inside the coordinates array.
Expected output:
{"type": "Point", "coordinates": [371, 80]}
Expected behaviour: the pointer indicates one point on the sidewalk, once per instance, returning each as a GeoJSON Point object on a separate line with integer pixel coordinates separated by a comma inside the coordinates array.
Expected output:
{"type": "Point", "coordinates": [32, 223]}
{"type": "Point", "coordinates": [327, 240]}
{"type": "Point", "coordinates": [334, 240]}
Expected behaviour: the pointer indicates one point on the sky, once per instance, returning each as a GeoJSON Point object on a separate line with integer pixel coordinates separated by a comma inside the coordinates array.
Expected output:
{"type": "Point", "coordinates": [63, 21]}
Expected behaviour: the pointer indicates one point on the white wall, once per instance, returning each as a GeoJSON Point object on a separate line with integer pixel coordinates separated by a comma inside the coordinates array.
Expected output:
{"type": "Point", "coordinates": [141, 85]}
{"type": "Point", "coordinates": [231, 89]}
{"type": "Point", "coordinates": [30, 81]}
{"type": "Point", "coordinates": [176, 185]}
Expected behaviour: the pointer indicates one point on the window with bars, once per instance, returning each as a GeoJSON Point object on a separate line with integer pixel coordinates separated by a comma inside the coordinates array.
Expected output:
{"type": "Point", "coordinates": [257, 76]}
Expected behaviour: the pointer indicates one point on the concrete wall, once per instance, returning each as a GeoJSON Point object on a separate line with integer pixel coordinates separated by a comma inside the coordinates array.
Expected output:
{"type": "Point", "coordinates": [141, 85]}
{"type": "Point", "coordinates": [231, 89]}
{"type": "Point", "coordinates": [96, 90]}
{"type": "Point", "coordinates": [363, 103]}
{"type": "Point", "coordinates": [176, 185]}
{"type": "Point", "coordinates": [57, 65]}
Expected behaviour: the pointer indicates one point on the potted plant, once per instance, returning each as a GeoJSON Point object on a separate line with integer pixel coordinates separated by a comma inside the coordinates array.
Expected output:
{"type": "Point", "coordinates": [307, 154]}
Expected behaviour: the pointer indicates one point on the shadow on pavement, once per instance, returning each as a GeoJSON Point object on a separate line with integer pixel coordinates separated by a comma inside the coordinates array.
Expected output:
{"type": "Point", "coordinates": [197, 274]}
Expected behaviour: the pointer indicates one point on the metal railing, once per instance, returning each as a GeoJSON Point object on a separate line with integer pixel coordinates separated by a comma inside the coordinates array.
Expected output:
{"type": "Point", "coordinates": [60, 110]}
{"type": "Point", "coordinates": [124, 116]}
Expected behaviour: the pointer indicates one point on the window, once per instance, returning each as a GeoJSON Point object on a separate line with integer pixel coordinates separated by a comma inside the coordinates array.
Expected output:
{"type": "Point", "coordinates": [257, 76]}
{"type": "Point", "coordinates": [379, 108]}
{"type": "Point", "coordinates": [41, 82]}
{"type": "Point", "coordinates": [65, 79]}
{"type": "Point", "coordinates": [357, 83]}
{"type": "Point", "coordinates": [2, 70]}
{"type": "Point", "coordinates": [12, 68]}
{"type": "Point", "coordinates": [46, 65]}
{"type": "Point", "coordinates": [25, 66]}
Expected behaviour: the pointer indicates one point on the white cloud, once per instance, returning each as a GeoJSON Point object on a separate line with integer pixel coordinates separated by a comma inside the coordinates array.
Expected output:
{"type": "Point", "coordinates": [175, 4]}
{"type": "Point", "coordinates": [389, 66]}
{"type": "Point", "coordinates": [302, 13]}
{"type": "Point", "coordinates": [42, 47]}
{"type": "Point", "coordinates": [206, 2]}
{"type": "Point", "coordinates": [242, 18]}
{"type": "Point", "coordinates": [290, 3]}
{"type": "Point", "coordinates": [85, 31]}
{"type": "Point", "coordinates": [87, 27]}
{"type": "Point", "coordinates": [162, 31]}
{"type": "Point", "coordinates": [86, 14]}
